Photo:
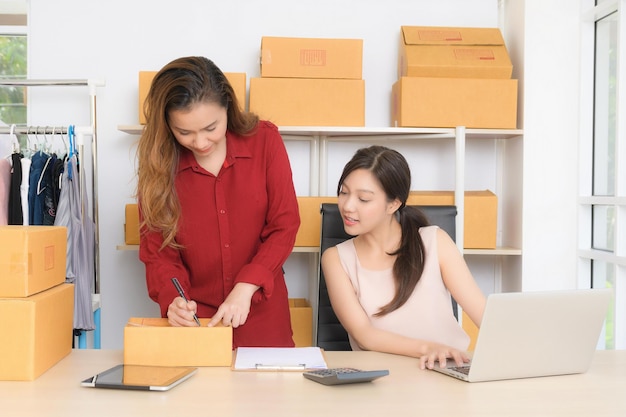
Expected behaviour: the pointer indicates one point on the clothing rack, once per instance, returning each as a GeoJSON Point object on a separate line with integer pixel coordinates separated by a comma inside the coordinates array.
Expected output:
{"type": "Point", "coordinates": [80, 132]}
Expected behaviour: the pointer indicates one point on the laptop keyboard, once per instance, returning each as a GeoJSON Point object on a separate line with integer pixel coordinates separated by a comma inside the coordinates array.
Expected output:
{"type": "Point", "coordinates": [462, 369]}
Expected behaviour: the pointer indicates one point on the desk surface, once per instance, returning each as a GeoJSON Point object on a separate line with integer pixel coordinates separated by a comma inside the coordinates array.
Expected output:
{"type": "Point", "coordinates": [406, 391]}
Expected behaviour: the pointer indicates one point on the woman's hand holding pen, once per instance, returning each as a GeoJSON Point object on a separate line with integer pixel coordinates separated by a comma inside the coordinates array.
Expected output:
{"type": "Point", "coordinates": [181, 313]}
{"type": "Point", "coordinates": [236, 307]}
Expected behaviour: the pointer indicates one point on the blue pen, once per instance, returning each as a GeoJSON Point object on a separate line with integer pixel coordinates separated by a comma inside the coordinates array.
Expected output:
{"type": "Point", "coordinates": [182, 294]}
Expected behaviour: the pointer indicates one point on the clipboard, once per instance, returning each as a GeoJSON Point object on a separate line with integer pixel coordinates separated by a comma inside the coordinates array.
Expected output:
{"type": "Point", "coordinates": [278, 359]}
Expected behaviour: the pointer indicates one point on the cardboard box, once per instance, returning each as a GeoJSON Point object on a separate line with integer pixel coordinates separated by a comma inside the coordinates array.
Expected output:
{"type": "Point", "coordinates": [311, 220]}
{"type": "Point", "coordinates": [311, 58]}
{"type": "Point", "coordinates": [32, 259]}
{"type": "Point", "coordinates": [152, 341]}
{"type": "Point", "coordinates": [453, 52]}
{"type": "Point", "coordinates": [131, 224]}
{"type": "Point", "coordinates": [308, 102]}
{"type": "Point", "coordinates": [480, 219]}
{"type": "Point", "coordinates": [451, 102]}
{"type": "Point", "coordinates": [35, 332]}
{"type": "Point", "coordinates": [236, 79]}
{"type": "Point", "coordinates": [301, 321]}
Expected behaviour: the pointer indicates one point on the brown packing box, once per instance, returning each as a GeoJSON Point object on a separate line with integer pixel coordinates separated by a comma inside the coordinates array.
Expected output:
{"type": "Point", "coordinates": [311, 220]}
{"type": "Point", "coordinates": [236, 79]}
{"type": "Point", "coordinates": [308, 102]}
{"type": "Point", "coordinates": [453, 52]}
{"type": "Point", "coordinates": [131, 224]}
{"type": "Point", "coordinates": [451, 102]}
{"type": "Point", "coordinates": [480, 219]}
{"type": "Point", "coordinates": [152, 341]}
{"type": "Point", "coordinates": [301, 321]}
{"type": "Point", "coordinates": [311, 58]}
{"type": "Point", "coordinates": [32, 259]}
{"type": "Point", "coordinates": [35, 332]}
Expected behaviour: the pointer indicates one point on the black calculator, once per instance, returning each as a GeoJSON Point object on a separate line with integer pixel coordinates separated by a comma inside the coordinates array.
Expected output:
{"type": "Point", "coordinates": [338, 376]}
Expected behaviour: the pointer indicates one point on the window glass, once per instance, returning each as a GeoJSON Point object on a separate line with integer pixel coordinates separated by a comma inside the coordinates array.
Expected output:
{"type": "Point", "coordinates": [605, 106]}
{"type": "Point", "coordinates": [12, 65]}
{"type": "Point", "coordinates": [603, 235]}
{"type": "Point", "coordinates": [603, 274]}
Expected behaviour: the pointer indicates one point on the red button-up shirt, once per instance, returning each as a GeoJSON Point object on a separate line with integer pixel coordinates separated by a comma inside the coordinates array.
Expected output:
{"type": "Point", "coordinates": [237, 227]}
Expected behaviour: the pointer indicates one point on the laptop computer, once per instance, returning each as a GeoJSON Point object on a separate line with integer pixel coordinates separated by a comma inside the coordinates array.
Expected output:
{"type": "Point", "coordinates": [533, 334]}
{"type": "Point", "coordinates": [140, 377]}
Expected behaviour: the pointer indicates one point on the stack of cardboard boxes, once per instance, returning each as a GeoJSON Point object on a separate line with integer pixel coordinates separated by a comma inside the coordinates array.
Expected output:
{"type": "Point", "coordinates": [310, 82]}
{"type": "Point", "coordinates": [36, 305]}
{"type": "Point", "coordinates": [450, 77]}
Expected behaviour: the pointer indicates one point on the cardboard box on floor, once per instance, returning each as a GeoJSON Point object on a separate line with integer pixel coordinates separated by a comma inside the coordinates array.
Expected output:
{"type": "Point", "coordinates": [236, 79]}
{"type": "Point", "coordinates": [456, 52]}
{"type": "Point", "coordinates": [131, 224]}
{"type": "Point", "coordinates": [35, 332]}
{"type": "Point", "coordinates": [32, 259]}
{"type": "Point", "coordinates": [308, 102]}
{"type": "Point", "coordinates": [152, 341]}
{"type": "Point", "coordinates": [480, 219]}
{"type": "Point", "coordinates": [311, 58]}
{"type": "Point", "coordinates": [301, 321]}
{"type": "Point", "coordinates": [451, 102]}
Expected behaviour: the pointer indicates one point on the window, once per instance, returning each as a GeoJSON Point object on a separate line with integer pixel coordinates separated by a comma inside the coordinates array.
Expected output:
{"type": "Point", "coordinates": [602, 233]}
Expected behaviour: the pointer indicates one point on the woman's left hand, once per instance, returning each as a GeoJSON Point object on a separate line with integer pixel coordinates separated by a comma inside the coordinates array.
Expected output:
{"type": "Point", "coordinates": [441, 353]}
{"type": "Point", "coordinates": [236, 307]}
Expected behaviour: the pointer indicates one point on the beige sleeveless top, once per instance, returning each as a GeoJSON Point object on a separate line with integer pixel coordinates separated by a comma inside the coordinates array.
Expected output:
{"type": "Point", "coordinates": [427, 314]}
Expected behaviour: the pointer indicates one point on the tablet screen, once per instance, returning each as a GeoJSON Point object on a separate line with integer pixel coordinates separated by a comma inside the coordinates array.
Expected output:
{"type": "Point", "coordinates": [139, 377]}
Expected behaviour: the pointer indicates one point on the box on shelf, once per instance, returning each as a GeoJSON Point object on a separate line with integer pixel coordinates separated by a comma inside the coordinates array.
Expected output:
{"type": "Point", "coordinates": [480, 219]}
{"type": "Point", "coordinates": [311, 220]}
{"type": "Point", "coordinates": [152, 341]}
{"type": "Point", "coordinates": [453, 52]}
{"type": "Point", "coordinates": [32, 259]}
{"type": "Point", "coordinates": [301, 321]}
{"type": "Point", "coordinates": [311, 58]}
{"type": "Point", "coordinates": [450, 102]}
{"type": "Point", "coordinates": [35, 332]}
{"type": "Point", "coordinates": [236, 79]}
{"type": "Point", "coordinates": [131, 224]}
{"type": "Point", "coordinates": [308, 101]}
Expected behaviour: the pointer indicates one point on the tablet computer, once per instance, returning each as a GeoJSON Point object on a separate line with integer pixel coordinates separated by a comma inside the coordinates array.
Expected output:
{"type": "Point", "coordinates": [140, 377]}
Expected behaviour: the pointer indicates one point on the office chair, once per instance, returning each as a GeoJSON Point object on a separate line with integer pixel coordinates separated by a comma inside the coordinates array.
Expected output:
{"type": "Point", "coordinates": [330, 333]}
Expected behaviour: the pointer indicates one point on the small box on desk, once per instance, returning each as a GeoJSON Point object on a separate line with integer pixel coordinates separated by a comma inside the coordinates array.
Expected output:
{"type": "Point", "coordinates": [35, 332]}
{"type": "Point", "coordinates": [131, 224]}
{"type": "Point", "coordinates": [32, 259]}
{"type": "Point", "coordinates": [480, 219]}
{"type": "Point", "coordinates": [301, 321]}
{"type": "Point", "coordinates": [308, 101]}
{"type": "Point", "coordinates": [152, 341]}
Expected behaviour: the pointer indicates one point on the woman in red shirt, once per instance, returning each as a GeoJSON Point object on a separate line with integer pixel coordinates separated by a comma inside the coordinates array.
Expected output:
{"type": "Point", "coordinates": [217, 205]}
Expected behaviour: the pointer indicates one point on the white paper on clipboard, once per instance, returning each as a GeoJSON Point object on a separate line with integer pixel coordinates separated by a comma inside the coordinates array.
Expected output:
{"type": "Point", "coordinates": [279, 359]}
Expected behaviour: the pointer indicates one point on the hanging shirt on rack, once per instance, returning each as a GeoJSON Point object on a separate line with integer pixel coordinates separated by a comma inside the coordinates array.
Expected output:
{"type": "Point", "coordinates": [16, 216]}
{"type": "Point", "coordinates": [38, 162]}
{"type": "Point", "coordinates": [5, 187]}
{"type": "Point", "coordinates": [24, 189]}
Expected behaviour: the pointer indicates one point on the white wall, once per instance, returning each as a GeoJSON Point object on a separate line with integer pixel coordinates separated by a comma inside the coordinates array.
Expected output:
{"type": "Point", "coordinates": [116, 39]}
{"type": "Point", "coordinates": [547, 42]}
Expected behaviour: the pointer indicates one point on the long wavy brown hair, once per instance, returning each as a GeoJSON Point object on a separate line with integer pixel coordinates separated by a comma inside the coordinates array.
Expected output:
{"type": "Point", "coordinates": [177, 86]}
{"type": "Point", "coordinates": [392, 171]}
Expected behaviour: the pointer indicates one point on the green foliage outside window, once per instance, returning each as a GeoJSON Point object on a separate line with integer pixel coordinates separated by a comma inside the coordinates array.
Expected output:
{"type": "Point", "coordinates": [13, 66]}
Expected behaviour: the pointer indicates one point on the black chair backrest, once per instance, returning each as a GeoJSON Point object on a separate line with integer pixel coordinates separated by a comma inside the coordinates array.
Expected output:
{"type": "Point", "coordinates": [330, 333]}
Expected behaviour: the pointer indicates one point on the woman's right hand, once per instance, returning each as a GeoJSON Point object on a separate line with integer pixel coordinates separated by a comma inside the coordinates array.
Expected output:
{"type": "Point", "coordinates": [180, 313]}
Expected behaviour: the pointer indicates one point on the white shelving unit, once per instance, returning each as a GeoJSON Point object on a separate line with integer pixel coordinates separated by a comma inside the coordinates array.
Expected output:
{"type": "Point", "coordinates": [506, 258]}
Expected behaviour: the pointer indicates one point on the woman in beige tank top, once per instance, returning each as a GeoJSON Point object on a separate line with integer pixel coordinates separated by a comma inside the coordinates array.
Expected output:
{"type": "Point", "coordinates": [390, 286]}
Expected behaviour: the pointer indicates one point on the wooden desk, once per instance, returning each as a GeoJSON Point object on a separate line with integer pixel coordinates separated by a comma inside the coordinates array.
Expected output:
{"type": "Point", "coordinates": [406, 391]}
